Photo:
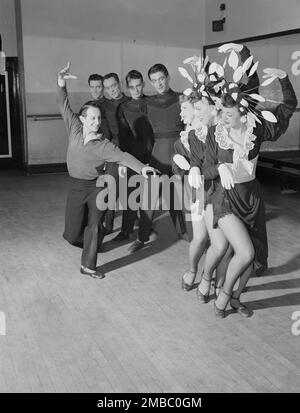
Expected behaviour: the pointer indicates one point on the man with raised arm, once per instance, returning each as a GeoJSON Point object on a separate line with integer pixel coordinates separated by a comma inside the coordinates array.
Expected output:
{"type": "Point", "coordinates": [87, 151]}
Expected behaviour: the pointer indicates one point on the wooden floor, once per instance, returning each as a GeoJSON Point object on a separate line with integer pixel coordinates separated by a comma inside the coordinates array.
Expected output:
{"type": "Point", "coordinates": [136, 330]}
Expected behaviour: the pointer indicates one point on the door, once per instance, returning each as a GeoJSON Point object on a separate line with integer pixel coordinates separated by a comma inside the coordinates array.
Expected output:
{"type": "Point", "coordinates": [11, 147]}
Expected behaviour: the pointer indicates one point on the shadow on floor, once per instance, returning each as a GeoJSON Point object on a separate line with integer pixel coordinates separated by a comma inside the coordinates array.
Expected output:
{"type": "Point", "coordinates": [276, 285]}
{"type": "Point", "coordinates": [273, 214]}
{"type": "Point", "coordinates": [292, 265]}
{"type": "Point", "coordinates": [273, 302]}
{"type": "Point", "coordinates": [160, 242]}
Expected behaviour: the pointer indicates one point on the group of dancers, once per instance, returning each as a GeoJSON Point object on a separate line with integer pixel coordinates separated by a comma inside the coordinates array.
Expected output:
{"type": "Point", "coordinates": [226, 121]}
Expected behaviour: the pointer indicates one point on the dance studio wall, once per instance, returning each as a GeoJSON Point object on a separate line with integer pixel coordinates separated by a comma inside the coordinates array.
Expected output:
{"type": "Point", "coordinates": [261, 17]}
{"type": "Point", "coordinates": [97, 36]}
{"type": "Point", "coordinates": [251, 18]}
{"type": "Point", "coordinates": [44, 56]}
{"type": "Point", "coordinates": [282, 52]}
{"type": "Point", "coordinates": [8, 27]}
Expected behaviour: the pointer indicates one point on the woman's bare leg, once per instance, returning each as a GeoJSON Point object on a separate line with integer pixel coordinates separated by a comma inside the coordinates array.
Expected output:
{"type": "Point", "coordinates": [222, 269]}
{"type": "Point", "coordinates": [242, 282]}
{"type": "Point", "coordinates": [237, 235]}
{"type": "Point", "coordinates": [196, 249]}
{"type": "Point", "coordinates": [215, 252]}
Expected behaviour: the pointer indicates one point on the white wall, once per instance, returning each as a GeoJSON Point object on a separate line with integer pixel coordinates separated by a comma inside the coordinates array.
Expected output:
{"type": "Point", "coordinates": [98, 36]}
{"type": "Point", "coordinates": [47, 141]}
{"type": "Point", "coordinates": [44, 56]}
{"type": "Point", "coordinates": [248, 18]}
{"type": "Point", "coordinates": [8, 27]}
{"type": "Point", "coordinates": [118, 35]}
{"type": "Point", "coordinates": [259, 17]}
{"type": "Point", "coordinates": [177, 23]}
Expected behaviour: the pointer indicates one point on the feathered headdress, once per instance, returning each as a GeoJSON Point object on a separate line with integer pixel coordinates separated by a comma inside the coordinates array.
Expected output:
{"type": "Point", "coordinates": [211, 80]}
{"type": "Point", "coordinates": [248, 100]}
{"type": "Point", "coordinates": [208, 78]}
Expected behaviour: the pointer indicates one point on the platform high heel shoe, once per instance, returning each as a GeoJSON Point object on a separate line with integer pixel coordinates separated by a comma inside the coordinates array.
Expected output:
{"type": "Point", "coordinates": [240, 308]}
{"type": "Point", "coordinates": [203, 298]}
{"type": "Point", "coordinates": [220, 312]}
{"type": "Point", "coordinates": [184, 285]}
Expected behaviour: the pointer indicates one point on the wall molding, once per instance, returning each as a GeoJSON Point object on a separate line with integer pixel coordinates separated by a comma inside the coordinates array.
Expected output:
{"type": "Point", "coordinates": [49, 168]}
{"type": "Point", "coordinates": [251, 39]}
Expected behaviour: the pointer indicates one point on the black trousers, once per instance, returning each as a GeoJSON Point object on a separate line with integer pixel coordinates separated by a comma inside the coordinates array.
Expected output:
{"type": "Point", "coordinates": [161, 155]}
{"type": "Point", "coordinates": [147, 215]}
{"type": "Point", "coordinates": [83, 220]}
{"type": "Point", "coordinates": [128, 215]}
{"type": "Point", "coordinates": [112, 170]}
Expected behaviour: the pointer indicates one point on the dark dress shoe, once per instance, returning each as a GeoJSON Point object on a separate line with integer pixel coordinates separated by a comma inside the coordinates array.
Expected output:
{"type": "Point", "coordinates": [107, 231]}
{"type": "Point", "coordinates": [184, 236]}
{"type": "Point", "coordinates": [94, 274]}
{"type": "Point", "coordinates": [122, 236]}
{"type": "Point", "coordinates": [137, 245]}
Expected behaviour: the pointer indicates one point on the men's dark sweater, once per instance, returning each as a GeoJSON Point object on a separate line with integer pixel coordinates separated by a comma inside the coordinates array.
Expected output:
{"type": "Point", "coordinates": [111, 108]}
{"type": "Point", "coordinates": [83, 159]}
{"type": "Point", "coordinates": [163, 111]}
{"type": "Point", "coordinates": [137, 134]}
{"type": "Point", "coordinates": [99, 102]}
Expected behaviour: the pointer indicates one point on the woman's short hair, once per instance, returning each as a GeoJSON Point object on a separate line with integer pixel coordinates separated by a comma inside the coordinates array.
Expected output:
{"type": "Point", "coordinates": [192, 98]}
{"type": "Point", "coordinates": [195, 97]}
{"type": "Point", "coordinates": [228, 101]}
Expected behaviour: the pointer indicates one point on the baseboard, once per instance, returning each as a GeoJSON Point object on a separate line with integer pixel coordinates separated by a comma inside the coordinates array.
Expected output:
{"type": "Point", "coordinates": [278, 154]}
{"type": "Point", "coordinates": [49, 168]}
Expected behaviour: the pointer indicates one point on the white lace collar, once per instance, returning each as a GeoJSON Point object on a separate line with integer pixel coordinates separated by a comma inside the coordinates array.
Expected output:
{"type": "Point", "coordinates": [225, 142]}
{"type": "Point", "coordinates": [201, 132]}
{"type": "Point", "coordinates": [184, 137]}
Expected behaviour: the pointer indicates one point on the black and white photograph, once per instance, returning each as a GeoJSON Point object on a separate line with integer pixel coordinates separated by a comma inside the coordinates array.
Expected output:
{"type": "Point", "coordinates": [149, 200]}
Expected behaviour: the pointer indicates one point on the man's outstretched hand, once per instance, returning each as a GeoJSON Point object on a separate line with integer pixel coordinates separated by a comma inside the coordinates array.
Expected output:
{"type": "Point", "coordinates": [65, 74]}
{"type": "Point", "coordinates": [149, 171]}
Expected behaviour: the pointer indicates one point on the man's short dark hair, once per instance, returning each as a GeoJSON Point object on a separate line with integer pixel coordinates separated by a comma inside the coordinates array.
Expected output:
{"type": "Point", "coordinates": [158, 67]}
{"type": "Point", "coordinates": [95, 76]}
{"type": "Point", "coordinates": [109, 75]}
{"type": "Point", "coordinates": [133, 74]}
{"type": "Point", "coordinates": [89, 104]}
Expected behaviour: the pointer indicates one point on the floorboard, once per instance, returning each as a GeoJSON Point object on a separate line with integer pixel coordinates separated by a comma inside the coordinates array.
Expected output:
{"type": "Point", "coordinates": [136, 330]}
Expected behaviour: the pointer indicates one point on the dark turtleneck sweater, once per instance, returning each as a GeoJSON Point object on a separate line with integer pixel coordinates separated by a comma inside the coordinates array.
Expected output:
{"type": "Point", "coordinates": [139, 136]}
{"type": "Point", "coordinates": [111, 108]}
{"type": "Point", "coordinates": [163, 111]}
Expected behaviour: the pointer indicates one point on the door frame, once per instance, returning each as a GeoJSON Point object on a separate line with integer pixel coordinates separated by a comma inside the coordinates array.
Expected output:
{"type": "Point", "coordinates": [13, 99]}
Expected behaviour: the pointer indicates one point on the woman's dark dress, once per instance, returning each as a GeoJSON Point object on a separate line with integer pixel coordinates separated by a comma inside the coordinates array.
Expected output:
{"type": "Point", "coordinates": [245, 199]}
